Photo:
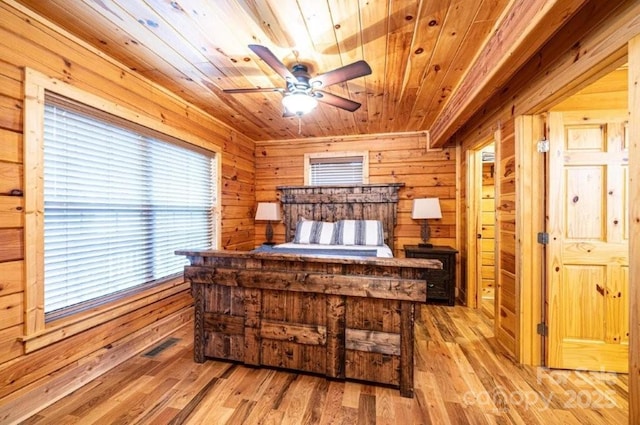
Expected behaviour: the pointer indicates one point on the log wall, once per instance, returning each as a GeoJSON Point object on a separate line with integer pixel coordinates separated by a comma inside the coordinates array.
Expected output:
{"type": "Point", "coordinates": [505, 238]}
{"type": "Point", "coordinates": [29, 41]}
{"type": "Point", "coordinates": [400, 158]}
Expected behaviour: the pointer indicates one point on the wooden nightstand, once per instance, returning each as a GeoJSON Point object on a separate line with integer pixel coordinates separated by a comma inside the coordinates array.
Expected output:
{"type": "Point", "coordinates": [441, 284]}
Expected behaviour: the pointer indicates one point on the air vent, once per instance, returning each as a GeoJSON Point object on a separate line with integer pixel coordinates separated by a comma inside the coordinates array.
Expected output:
{"type": "Point", "coordinates": [169, 342]}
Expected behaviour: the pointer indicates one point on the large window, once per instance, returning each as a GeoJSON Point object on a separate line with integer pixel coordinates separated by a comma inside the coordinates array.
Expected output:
{"type": "Point", "coordinates": [336, 168]}
{"type": "Point", "coordinates": [119, 199]}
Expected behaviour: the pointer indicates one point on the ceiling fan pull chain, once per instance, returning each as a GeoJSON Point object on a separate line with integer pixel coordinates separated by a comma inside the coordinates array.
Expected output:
{"type": "Point", "coordinates": [299, 125]}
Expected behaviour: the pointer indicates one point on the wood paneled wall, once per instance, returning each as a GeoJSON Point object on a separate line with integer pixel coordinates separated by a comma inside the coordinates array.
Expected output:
{"type": "Point", "coordinates": [505, 239]}
{"type": "Point", "coordinates": [401, 158]}
{"type": "Point", "coordinates": [29, 41]}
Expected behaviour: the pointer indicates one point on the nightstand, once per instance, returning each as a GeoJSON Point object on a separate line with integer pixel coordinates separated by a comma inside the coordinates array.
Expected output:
{"type": "Point", "coordinates": [441, 283]}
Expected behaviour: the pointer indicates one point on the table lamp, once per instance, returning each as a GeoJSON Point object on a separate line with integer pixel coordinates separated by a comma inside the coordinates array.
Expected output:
{"type": "Point", "coordinates": [268, 211]}
{"type": "Point", "coordinates": [424, 209]}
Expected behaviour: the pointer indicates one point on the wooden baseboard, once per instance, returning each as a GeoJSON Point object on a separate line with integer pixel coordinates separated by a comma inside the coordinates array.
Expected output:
{"type": "Point", "coordinates": [29, 400]}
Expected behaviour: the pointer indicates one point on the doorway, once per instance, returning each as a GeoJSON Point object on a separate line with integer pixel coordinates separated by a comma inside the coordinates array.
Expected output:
{"type": "Point", "coordinates": [586, 285]}
{"type": "Point", "coordinates": [588, 250]}
{"type": "Point", "coordinates": [486, 248]}
{"type": "Point", "coordinates": [480, 229]}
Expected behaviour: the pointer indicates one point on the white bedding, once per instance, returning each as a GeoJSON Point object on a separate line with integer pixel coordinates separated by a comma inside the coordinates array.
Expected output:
{"type": "Point", "coordinates": [381, 251]}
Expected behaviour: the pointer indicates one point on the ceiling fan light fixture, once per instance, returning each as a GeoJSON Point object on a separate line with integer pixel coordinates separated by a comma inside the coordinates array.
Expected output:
{"type": "Point", "coordinates": [299, 103]}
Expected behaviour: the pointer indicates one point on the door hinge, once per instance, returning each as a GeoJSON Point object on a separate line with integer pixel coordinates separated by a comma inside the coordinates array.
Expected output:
{"type": "Point", "coordinates": [543, 238]}
{"type": "Point", "coordinates": [542, 329]}
{"type": "Point", "coordinates": [543, 146]}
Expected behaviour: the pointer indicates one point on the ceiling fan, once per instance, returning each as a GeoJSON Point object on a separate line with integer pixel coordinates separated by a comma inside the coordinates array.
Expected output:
{"type": "Point", "coordinates": [303, 92]}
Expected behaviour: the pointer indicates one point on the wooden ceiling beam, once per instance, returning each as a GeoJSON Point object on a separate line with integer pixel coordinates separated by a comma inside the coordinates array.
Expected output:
{"type": "Point", "coordinates": [523, 29]}
{"type": "Point", "coordinates": [572, 60]}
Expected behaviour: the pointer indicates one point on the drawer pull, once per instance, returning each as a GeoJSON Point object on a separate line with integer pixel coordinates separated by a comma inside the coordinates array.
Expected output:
{"type": "Point", "coordinates": [431, 285]}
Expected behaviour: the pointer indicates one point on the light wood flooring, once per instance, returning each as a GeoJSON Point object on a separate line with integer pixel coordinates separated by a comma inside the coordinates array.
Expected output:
{"type": "Point", "coordinates": [461, 377]}
{"type": "Point", "coordinates": [487, 305]}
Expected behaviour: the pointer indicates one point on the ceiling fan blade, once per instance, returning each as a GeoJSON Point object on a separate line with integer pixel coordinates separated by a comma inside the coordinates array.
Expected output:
{"type": "Point", "coordinates": [337, 101]}
{"type": "Point", "coordinates": [253, 90]}
{"type": "Point", "coordinates": [271, 60]}
{"type": "Point", "coordinates": [345, 73]}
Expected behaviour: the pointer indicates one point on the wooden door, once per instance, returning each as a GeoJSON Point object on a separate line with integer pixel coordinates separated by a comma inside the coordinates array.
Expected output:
{"type": "Point", "coordinates": [588, 254]}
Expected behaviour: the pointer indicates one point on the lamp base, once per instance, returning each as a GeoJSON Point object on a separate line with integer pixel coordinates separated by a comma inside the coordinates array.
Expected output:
{"type": "Point", "coordinates": [425, 245]}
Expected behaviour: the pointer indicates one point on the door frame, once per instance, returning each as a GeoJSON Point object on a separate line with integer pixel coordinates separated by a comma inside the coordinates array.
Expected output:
{"type": "Point", "coordinates": [634, 228]}
{"type": "Point", "coordinates": [531, 209]}
{"type": "Point", "coordinates": [472, 204]}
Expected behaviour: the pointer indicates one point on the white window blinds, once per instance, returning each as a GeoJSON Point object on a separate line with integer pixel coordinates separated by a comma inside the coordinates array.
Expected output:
{"type": "Point", "coordinates": [336, 170]}
{"type": "Point", "coordinates": [118, 203]}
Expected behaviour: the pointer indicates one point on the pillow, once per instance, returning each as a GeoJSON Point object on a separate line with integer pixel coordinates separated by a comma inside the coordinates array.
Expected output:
{"type": "Point", "coordinates": [314, 232]}
{"type": "Point", "coordinates": [359, 232]}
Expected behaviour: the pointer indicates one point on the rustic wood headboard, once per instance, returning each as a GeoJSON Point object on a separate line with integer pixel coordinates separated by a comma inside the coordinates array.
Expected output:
{"type": "Point", "coordinates": [332, 203]}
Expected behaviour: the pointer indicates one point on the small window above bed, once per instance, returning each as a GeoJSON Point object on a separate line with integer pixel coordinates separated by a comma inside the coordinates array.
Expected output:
{"type": "Point", "coordinates": [331, 168]}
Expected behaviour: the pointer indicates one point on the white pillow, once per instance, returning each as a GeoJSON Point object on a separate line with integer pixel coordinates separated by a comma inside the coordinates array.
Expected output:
{"type": "Point", "coordinates": [359, 232]}
{"type": "Point", "coordinates": [314, 232]}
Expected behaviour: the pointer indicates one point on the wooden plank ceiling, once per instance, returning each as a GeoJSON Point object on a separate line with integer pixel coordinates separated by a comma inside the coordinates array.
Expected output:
{"type": "Point", "coordinates": [419, 52]}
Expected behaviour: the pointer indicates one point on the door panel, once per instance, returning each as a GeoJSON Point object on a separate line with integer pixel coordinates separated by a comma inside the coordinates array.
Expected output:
{"type": "Point", "coordinates": [584, 208]}
{"type": "Point", "coordinates": [581, 311]}
{"type": "Point", "coordinates": [588, 256]}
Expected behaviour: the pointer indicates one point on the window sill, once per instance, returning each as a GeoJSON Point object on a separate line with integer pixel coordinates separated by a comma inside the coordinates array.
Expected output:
{"type": "Point", "coordinates": [65, 327]}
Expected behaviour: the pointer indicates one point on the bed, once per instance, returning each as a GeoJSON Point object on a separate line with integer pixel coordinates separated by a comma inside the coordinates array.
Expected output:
{"type": "Point", "coordinates": [341, 316]}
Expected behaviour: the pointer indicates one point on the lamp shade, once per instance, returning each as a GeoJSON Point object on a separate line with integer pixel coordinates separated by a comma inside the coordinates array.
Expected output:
{"type": "Point", "coordinates": [299, 103]}
{"type": "Point", "coordinates": [426, 208]}
{"type": "Point", "coordinates": [268, 211]}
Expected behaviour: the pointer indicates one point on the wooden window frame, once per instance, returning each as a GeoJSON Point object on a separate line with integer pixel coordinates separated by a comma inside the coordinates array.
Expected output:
{"type": "Point", "coordinates": [37, 332]}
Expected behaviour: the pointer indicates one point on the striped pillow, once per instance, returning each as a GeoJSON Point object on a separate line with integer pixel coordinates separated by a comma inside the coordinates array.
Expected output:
{"type": "Point", "coordinates": [359, 232]}
{"type": "Point", "coordinates": [314, 232]}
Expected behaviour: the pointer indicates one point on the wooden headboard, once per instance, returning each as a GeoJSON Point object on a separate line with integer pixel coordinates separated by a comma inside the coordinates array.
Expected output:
{"type": "Point", "coordinates": [332, 203]}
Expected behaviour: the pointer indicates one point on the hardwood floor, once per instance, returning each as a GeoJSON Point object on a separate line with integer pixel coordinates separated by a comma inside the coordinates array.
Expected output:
{"type": "Point", "coordinates": [487, 305]}
{"type": "Point", "coordinates": [461, 377]}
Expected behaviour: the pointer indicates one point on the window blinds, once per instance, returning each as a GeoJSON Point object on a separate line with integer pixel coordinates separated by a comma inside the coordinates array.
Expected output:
{"type": "Point", "coordinates": [117, 205]}
{"type": "Point", "coordinates": [330, 171]}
